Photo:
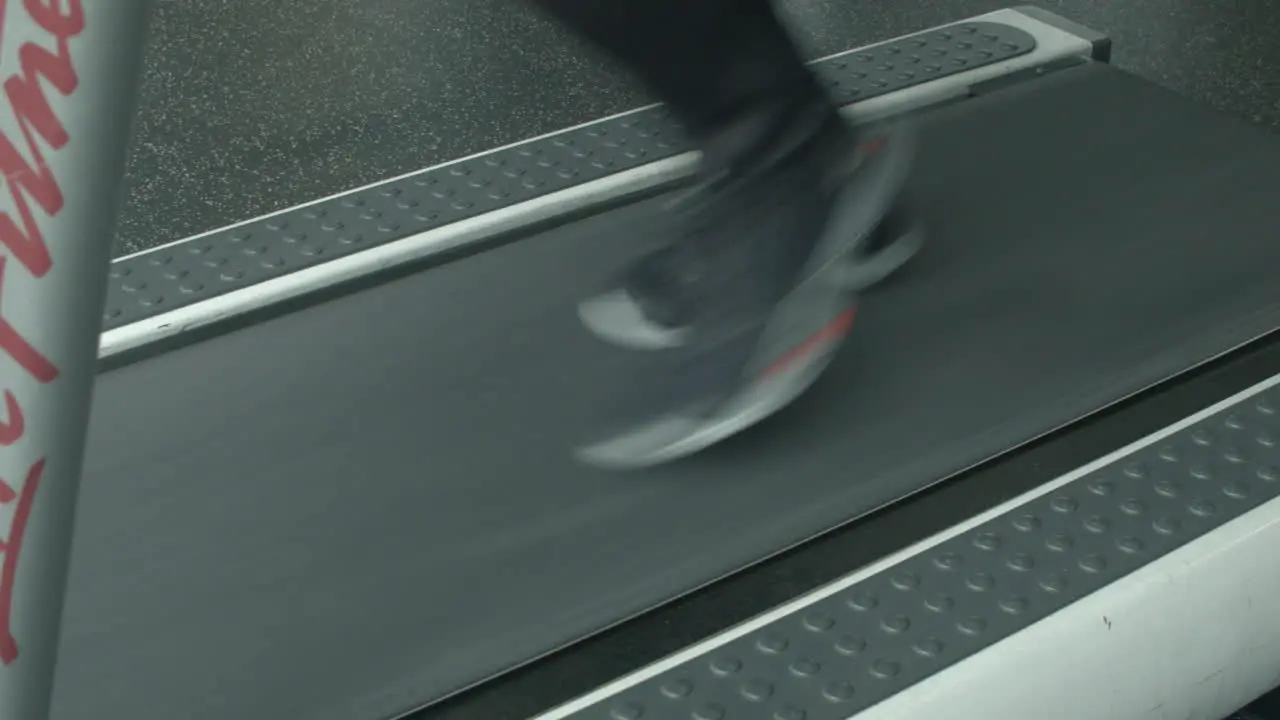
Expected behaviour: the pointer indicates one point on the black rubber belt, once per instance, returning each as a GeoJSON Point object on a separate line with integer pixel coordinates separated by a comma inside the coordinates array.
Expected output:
{"type": "Point", "coordinates": [842, 654]}
{"type": "Point", "coordinates": [206, 266]}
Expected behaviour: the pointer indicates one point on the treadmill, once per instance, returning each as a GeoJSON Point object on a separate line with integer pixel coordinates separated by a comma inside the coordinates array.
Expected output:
{"type": "Point", "coordinates": [328, 471]}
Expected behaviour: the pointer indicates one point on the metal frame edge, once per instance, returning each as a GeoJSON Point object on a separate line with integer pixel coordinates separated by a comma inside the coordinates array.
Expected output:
{"type": "Point", "coordinates": [1101, 42]}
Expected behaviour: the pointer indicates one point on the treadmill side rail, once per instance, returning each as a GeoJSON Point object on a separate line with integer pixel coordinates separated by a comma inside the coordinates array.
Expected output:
{"type": "Point", "coordinates": [71, 71]}
{"type": "Point", "coordinates": [204, 280]}
{"type": "Point", "coordinates": [1087, 597]}
{"type": "Point", "coordinates": [1099, 42]}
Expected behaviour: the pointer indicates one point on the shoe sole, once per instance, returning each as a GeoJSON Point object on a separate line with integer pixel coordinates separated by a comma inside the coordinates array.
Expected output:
{"type": "Point", "coordinates": [860, 275]}
{"type": "Point", "coordinates": [778, 387]}
{"type": "Point", "coordinates": [799, 342]}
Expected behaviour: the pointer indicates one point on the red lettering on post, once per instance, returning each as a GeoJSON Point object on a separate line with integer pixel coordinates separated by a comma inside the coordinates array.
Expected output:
{"type": "Point", "coordinates": [11, 547]}
{"type": "Point", "coordinates": [35, 180]}
{"type": "Point", "coordinates": [15, 346]}
{"type": "Point", "coordinates": [13, 425]}
{"type": "Point", "coordinates": [30, 180]}
{"type": "Point", "coordinates": [60, 23]}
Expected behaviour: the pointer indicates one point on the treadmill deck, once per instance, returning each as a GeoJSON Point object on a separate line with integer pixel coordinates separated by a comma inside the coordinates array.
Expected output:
{"type": "Point", "coordinates": [363, 505]}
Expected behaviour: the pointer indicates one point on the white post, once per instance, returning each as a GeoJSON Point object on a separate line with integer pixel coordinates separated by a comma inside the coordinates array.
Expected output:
{"type": "Point", "coordinates": [68, 75]}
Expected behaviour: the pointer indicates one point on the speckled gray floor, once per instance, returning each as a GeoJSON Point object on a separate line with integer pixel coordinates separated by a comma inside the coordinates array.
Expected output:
{"type": "Point", "coordinates": [250, 106]}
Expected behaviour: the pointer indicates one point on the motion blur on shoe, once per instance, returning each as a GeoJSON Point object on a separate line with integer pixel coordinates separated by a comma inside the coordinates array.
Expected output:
{"type": "Point", "coordinates": [749, 286]}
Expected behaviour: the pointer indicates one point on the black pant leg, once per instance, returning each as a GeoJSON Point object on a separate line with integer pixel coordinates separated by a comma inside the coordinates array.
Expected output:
{"type": "Point", "coordinates": [708, 60]}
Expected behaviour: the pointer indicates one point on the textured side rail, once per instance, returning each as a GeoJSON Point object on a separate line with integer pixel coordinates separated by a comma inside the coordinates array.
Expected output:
{"type": "Point", "coordinates": [205, 267]}
{"type": "Point", "coordinates": [849, 646]}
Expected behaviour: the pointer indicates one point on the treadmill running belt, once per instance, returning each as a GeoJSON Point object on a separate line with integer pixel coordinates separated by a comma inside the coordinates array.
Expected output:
{"type": "Point", "coordinates": [354, 509]}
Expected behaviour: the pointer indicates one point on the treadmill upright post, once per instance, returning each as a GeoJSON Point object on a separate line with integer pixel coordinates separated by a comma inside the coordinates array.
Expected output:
{"type": "Point", "coordinates": [68, 72]}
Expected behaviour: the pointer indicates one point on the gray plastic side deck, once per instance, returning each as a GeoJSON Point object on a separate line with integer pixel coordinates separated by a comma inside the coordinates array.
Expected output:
{"type": "Point", "coordinates": [204, 267]}
{"type": "Point", "coordinates": [842, 652]}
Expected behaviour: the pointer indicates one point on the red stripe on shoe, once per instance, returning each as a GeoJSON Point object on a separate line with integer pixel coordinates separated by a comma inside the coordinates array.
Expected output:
{"type": "Point", "coordinates": [835, 328]}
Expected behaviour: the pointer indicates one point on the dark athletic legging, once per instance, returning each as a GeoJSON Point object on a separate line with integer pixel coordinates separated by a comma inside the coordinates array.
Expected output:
{"type": "Point", "coordinates": [707, 59]}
